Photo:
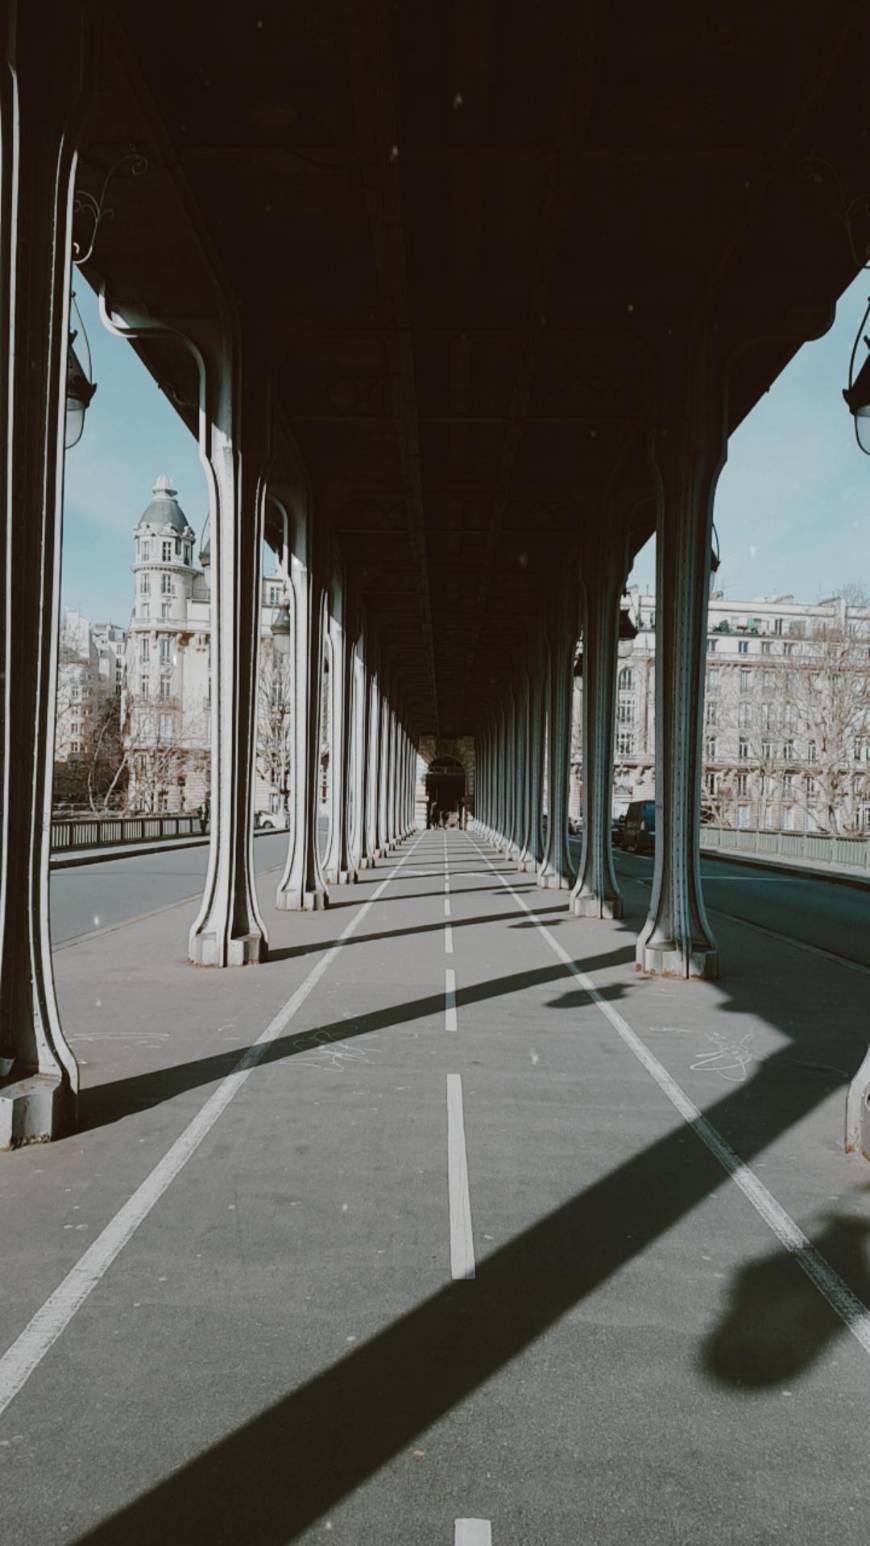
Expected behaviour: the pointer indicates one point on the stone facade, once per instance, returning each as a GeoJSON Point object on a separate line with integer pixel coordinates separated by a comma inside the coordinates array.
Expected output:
{"type": "Point", "coordinates": [166, 704]}
{"type": "Point", "coordinates": [786, 718]}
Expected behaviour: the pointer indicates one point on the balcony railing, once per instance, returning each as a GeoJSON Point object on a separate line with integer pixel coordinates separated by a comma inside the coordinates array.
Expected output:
{"type": "Point", "coordinates": [78, 832]}
{"type": "Point", "coordinates": [812, 847]}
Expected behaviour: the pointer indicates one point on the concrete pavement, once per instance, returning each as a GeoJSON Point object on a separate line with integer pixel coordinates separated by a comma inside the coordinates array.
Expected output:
{"type": "Point", "coordinates": [288, 1344]}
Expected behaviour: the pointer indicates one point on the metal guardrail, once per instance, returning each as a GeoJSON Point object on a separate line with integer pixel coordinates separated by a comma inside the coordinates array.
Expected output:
{"type": "Point", "coordinates": [812, 847]}
{"type": "Point", "coordinates": [76, 832]}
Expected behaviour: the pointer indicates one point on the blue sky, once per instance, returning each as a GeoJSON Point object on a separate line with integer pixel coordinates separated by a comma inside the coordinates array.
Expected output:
{"type": "Point", "coordinates": [792, 506]}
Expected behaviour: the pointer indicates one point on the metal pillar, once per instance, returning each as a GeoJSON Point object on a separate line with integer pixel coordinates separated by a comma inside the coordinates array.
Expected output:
{"type": "Point", "coordinates": [46, 50]}
{"type": "Point", "coordinates": [302, 886]}
{"type": "Point", "coordinates": [689, 450]}
{"type": "Point", "coordinates": [556, 870]}
{"type": "Point", "coordinates": [596, 892]}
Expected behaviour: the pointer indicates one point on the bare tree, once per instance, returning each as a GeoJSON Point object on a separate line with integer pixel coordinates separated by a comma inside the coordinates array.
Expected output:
{"type": "Point", "coordinates": [164, 746]}
{"type": "Point", "coordinates": [274, 723]}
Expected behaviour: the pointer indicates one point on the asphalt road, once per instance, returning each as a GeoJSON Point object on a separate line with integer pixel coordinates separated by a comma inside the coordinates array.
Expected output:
{"type": "Point", "coordinates": [446, 1259]}
{"type": "Point", "coordinates": [97, 896]}
{"type": "Point", "coordinates": [816, 912]}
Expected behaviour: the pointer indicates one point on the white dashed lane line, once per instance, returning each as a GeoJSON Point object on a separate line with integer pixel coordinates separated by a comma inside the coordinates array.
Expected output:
{"type": "Point", "coordinates": [459, 1200]}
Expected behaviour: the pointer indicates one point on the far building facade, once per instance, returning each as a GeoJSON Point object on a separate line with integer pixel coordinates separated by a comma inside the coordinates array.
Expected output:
{"type": "Point", "coordinates": [786, 716]}
{"type": "Point", "coordinates": [166, 707]}
{"type": "Point", "coordinates": [90, 678]}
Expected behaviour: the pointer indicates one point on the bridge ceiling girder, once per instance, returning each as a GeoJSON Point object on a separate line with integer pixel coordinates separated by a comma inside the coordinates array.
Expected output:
{"type": "Point", "coordinates": [465, 231]}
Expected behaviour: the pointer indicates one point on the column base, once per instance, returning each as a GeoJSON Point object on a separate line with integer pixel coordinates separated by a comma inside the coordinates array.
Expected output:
{"type": "Point", "coordinates": [858, 1112]}
{"type": "Point", "coordinates": [548, 880]}
{"type": "Point", "coordinates": [302, 901]}
{"type": "Point", "coordinates": [35, 1109]}
{"type": "Point", "coordinates": [348, 877]}
{"type": "Point", "coordinates": [243, 950]}
{"type": "Point", "coordinates": [366, 864]}
{"type": "Point", "coordinates": [670, 960]}
{"type": "Point", "coordinates": [597, 907]}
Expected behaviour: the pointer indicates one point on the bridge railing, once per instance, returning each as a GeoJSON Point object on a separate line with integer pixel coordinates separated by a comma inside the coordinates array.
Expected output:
{"type": "Point", "coordinates": [820, 848]}
{"type": "Point", "coordinates": [74, 832]}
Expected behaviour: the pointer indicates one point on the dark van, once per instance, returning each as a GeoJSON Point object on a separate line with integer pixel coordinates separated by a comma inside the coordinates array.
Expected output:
{"type": "Point", "coordinates": [639, 832]}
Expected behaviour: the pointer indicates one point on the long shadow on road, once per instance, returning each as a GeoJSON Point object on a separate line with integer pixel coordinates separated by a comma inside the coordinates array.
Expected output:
{"type": "Point", "coordinates": [271, 1479]}
{"type": "Point", "coordinates": [111, 1102]}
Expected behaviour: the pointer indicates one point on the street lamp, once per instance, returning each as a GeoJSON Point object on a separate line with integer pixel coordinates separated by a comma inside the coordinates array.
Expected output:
{"type": "Point", "coordinates": [857, 394]}
{"type": "Point", "coordinates": [79, 386]}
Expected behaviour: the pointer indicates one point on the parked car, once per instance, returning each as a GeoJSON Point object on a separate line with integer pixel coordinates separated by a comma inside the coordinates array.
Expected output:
{"type": "Point", "coordinates": [639, 832]}
{"type": "Point", "coordinates": [265, 821]}
{"type": "Point", "coordinates": [617, 829]}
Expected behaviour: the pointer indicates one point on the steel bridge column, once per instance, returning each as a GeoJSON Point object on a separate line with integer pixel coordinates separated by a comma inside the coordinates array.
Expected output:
{"type": "Point", "coordinates": [596, 892]}
{"type": "Point", "coordinates": [45, 51]}
{"type": "Point", "coordinates": [556, 870]}
{"type": "Point", "coordinates": [689, 449]}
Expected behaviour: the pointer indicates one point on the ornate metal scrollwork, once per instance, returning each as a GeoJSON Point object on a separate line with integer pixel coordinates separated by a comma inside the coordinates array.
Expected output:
{"type": "Point", "coordinates": [93, 207]}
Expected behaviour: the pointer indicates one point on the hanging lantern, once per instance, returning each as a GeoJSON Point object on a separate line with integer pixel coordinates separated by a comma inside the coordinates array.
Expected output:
{"type": "Point", "coordinates": [627, 629]}
{"type": "Point", "coordinates": [79, 386]}
{"type": "Point", "coordinates": [857, 394]}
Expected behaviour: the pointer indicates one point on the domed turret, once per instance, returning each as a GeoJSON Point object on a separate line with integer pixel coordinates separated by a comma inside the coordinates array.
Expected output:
{"type": "Point", "coordinates": [164, 509]}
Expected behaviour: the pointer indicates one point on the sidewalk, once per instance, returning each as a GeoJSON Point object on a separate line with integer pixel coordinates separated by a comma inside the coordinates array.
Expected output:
{"type": "Point", "coordinates": [843, 875]}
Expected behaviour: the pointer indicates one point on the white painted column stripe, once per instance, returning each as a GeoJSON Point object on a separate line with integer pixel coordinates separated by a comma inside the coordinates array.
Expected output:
{"type": "Point", "coordinates": [459, 1201]}
{"type": "Point", "coordinates": [449, 999]}
{"type": "Point", "coordinates": [851, 1310]}
{"type": "Point", "coordinates": [472, 1532]}
{"type": "Point", "coordinates": [30, 1347]}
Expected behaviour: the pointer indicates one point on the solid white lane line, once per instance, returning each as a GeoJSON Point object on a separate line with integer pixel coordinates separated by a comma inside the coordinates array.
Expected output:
{"type": "Point", "coordinates": [28, 1350]}
{"type": "Point", "coordinates": [449, 999]}
{"type": "Point", "coordinates": [448, 939]}
{"type": "Point", "coordinates": [459, 1202]}
{"type": "Point", "coordinates": [472, 1532]}
{"type": "Point", "coordinates": [447, 907]}
{"type": "Point", "coordinates": [851, 1310]}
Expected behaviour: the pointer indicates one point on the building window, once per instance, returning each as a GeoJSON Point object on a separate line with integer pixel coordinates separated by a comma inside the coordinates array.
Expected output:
{"type": "Point", "coordinates": [788, 649]}
{"type": "Point", "coordinates": [711, 748]}
{"type": "Point", "coordinates": [743, 646]}
{"type": "Point", "coordinates": [711, 711]}
{"type": "Point", "coordinates": [711, 645]}
{"type": "Point", "coordinates": [144, 686]}
{"type": "Point", "coordinates": [624, 743]}
{"type": "Point", "coordinates": [167, 552]}
{"type": "Point", "coordinates": [74, 746]}
{"type": "Point", "coordinates": [74, 729]}
{"type": "Point", "coordinates": [744, 715]}
{"type": "Point", "coordinates": [625, 680]}
{"type": "Point", "coordinates": [625, 711]}
{"type": "Point", "coordinates": [177, 548]}
{"type": "Point", "coordinates": [742, 783]}
{"type": "Point", "coordinates": [187, 553]}
{"type": "Point", "coordinates": [787, 785]}
{"type": "Point", "coordinates": [166, 584]}
{"type": "Point", "coordinates": [166, 727]}
{"type": "Point", "coordinates": [768, 681]}
{"type": "Point", "coordinates": [742, 749]}
{"type": "Point", "coordinates": [856, 751]}
{"type": "Point", "coordinates": [144, 650]}
{"type": "Point", "coordinates": [145, 550]}
{"type": "Point", "coordinates": [788, 751]}
{"type": "Point", "coordinates": [165, 651]}
{"type": "Point", "coordinates": [777, 625]}
{"type": "Point", "coordinates": [711, 783]}
{"type": "Point", "coordinates": [811, 751]}
{"type": "Point", "coordinates": [812, 788]}
{"type": "Point", "coordinates": [162, 800]}
{"type": "Point", "coordinates": [766, 751]}
{"type": "Point", "coordinates": [767, 716]}
{"type": "Point", "coordinates": [790, 717]}
{"type": "Point", "coordinates": [713, 679]}
{"type": "Point", "coordinates": [765, 647]}
{"type": "Point", "coordinates": [144, 585]}
{"type": "Point", "coordinates": [274, 595]}
{"type": "Point", "coordinates": [165, 689]}
{"type": "Point", "coordinates": [745, 678]}
{"type": "Point", "coordinates": [743, 815]}
{"type": "Point", "coordinates": [164, 609]}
